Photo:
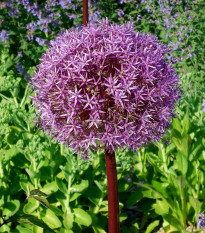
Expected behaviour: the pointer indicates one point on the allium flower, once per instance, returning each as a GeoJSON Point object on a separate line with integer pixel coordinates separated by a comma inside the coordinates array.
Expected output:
{"type": "Point", "coordinates": [105, 86]}
{"type": "Point", "coordinates": [201, 220]}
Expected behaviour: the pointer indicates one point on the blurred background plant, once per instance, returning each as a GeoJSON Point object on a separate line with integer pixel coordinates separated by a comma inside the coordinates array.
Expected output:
{"type": "Point", "coordinates": [170, 174]}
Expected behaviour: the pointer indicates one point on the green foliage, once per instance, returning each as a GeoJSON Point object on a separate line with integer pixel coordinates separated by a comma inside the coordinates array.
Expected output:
{"type": "Point", "coordinates": [177, 182]}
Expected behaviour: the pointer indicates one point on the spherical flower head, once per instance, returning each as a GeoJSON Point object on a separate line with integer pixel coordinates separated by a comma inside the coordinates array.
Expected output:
{"type": "Point", "coordinates": [105, 86]}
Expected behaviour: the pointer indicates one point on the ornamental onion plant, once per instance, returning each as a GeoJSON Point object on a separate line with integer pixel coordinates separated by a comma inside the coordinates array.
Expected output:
{"type": "Point", "coordinates": [105, 87]}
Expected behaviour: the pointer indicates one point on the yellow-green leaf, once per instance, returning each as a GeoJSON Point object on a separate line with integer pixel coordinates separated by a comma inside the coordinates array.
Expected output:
{"type": "Point", "coordinates": [82, 217]}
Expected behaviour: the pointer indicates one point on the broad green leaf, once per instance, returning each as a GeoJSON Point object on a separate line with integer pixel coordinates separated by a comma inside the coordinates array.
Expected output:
{"type": "Point", "coordinates": [82, 217]}
{"type": "Point", "coordinates": [57, 211]}
{"type": "Point", "coordinates": [176, 125]}
{"type": "Point", "coordinates": [152, 226]}
{"type": "Point", "coordinates": [23, 230]}
{"type": "Point", "coordinates": [63, 230]}
{"type": "Point", "coordinates": [133, 13]}
{"type": "Point", "coordinates": [61, 185]}
{"type": "Point", "coordinates": [11, 207]}
{"type": "Point", "coordinates": [151, 194]}
{"type": "Point", "coordinates": [183, 144]}
{"type": "Point", "coordinates": [27, 136]}
{"type": "Point", "coordinates": [185, 123]}
{"type": "Point", "coordinates": [98, 229]}
{"type": "Point", "coordinates": [11, 139]}
{"type": "Point", "coordinates": [182, 162]}
{"type": "Point", "coordinates": [5, 229]}
{"type": "Point", "coordinates": [155, 193]}
{"type": "Point", "coordinates": [123, 185]}
{"type": "Point", "coordinates": [31, 206]}
{"type": "Point", "coordinates": [66, 173]}
{"type": "Point", "coordinates": [176, 134]}
{"type": "Point", "coordinates": [123, 216]}
{"type": "Point", "coordinates": [104, 206]}
{"type": "Point", "coordinates": [134, 198]}
{"type": "Point", "coordinates": [30, 219]}
{"type": "Point", "coordinates": [160, 188]}
{"type": "Point", "coordinates": [36, 192]}
{"type": "Point", "coordinates": [50, 188]}
{"type": "Point", "coordinates": [161, 207]}
{"type": "Point", "coordinates": [50, 218]}
{"type": "Point", "coordinates": [45, 171]}
{"type": "Point", "coordinates": [42, 200]}
{"type": "Point", "coordinates": [120, 205]}
{"type": "Point", "coordinates": [68, 220]}
{"type": "Point", "coordinates": [93, 193]}
{"type": "Point", "coordinates": [68, 166]}
{"type": "Point", "coordinates": [24, 182]}
{"type": "Point", "coordinates": [170, 148]}
{"type": "Point", "coordinates": [11, 153]}
{"type": "Point", "coordinates": [196, 152]}
{"type": "Point", "coordinates": [20, 161]}
{"type": "Point", "coordinates": [37, 229]}
{"type": "Point", "coordinates": [182, 183]}
{"type": "Point", "coordinates": [173, 221]}
{"type": "Point", "coordinates": [78, 188]}
{"type": "Point", "coordinates": [195, 204]}
{"type": "Point", "coordinates": [139, 167]}
{"type": "Point", "coordinates": [43, 168]}
{"type": "Point", "coordinates": [136, 227]}
{"type": "Point", "coordinates": [74, 196]}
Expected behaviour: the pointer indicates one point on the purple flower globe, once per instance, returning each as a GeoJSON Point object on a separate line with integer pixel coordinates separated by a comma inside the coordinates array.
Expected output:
{"type": "Point", "coordinates": [105, 86]}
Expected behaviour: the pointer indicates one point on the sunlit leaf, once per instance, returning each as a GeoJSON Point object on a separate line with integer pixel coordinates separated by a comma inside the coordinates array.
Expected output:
{"type": "Point", "coordinates": [152, 226]}
{"type": "Point", "coordinates": [68, 220]}
{"type": "Point", "coordinates": [37, 192]}
{"type": "Point", "coordinates": [42, 200]}
{"type": "Point", "coordinates": [30, 206]}
{"type": "Point", "coordinates": [50, 218]}
{"type": "Point", "coordinates": [61, 185]}
{"type": "Point", "coordinates": [30, 219]}
{"type": "Point", "coordinates": [82, 217]}
{"type": "Point", "coordinates": [80, 187]}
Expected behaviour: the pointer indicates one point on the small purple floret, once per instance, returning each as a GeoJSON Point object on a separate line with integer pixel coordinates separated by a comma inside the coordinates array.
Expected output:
{"type": "Point", "coordinates": [4, 35]}
{"type": "Point", "coordinates": [105, 86]}
{"type": "Point", "coordinates": [201, 220]}
{"type": "Point", "coordinates": [203, 105]}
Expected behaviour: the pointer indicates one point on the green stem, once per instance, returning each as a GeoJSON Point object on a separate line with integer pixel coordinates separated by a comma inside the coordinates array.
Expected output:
{"type": "Point", "coordinates": [164, 159]}
{"type": "Point", "coordinates": [35, 179]}
{"type": "Point", "coordinates": [25, 94]}
{"type": "Point", "coordinates": [68, 195]}
{"type": "Point", "coordinates": [6, 98]}
{"type": "Point", "coordinates": [96, 209]}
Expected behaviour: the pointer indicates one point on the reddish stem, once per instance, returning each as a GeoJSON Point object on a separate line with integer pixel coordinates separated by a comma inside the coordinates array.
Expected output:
{"type": "Point", "coordinates": [113, 201]}
{"type": "Point", "coordinates": [85, 12]}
